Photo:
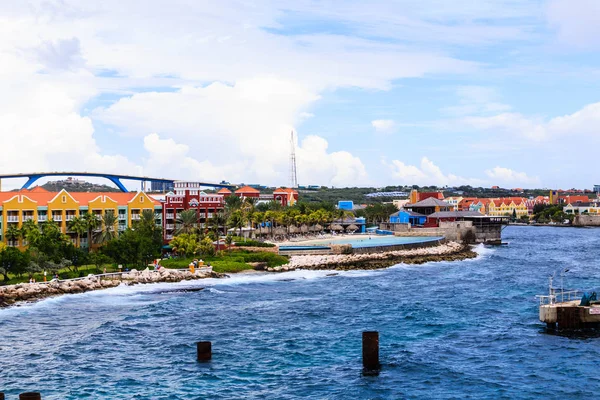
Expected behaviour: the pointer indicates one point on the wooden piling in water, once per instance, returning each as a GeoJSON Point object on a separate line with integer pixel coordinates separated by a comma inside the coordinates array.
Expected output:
{"type": "Point", "coordinates": [370, 353]}
{"type": "Point", "coordinates": [204, 351]}
{"type": "Point", "coordinates": [30, 396]}
{"type": "Point", "coordinates": [1, 396]}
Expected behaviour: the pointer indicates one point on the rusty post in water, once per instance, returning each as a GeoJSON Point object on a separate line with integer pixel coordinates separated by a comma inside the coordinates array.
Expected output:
{"type": "Point", "coordinates": [370, 353]}
{"type": "Point", "coordinates": [1, 396]}
{"type": "Point", "coordinates": [204, 351]}
{"type": "Point", "coordinates": [30, 396]}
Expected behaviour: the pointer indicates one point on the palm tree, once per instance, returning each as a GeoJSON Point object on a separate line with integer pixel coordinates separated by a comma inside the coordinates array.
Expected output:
{"type": "Point", "coordinates": [232, 203]}
{"type": "Point", "coordinates": [91, 224]}
{"type": "Point", "coordinates": [217, 221]}
{"type": "Point", "coordinates": [147, 218]}
{"type": "Point", "coordinates": [187, 221]}
{"type": "Point", "coordinates": [108, 230]}
{"type": "Point", "coordinates": [237, 220]}
{"type": "Point", "coordinates": [13, 233]}
{"type": "Point", "coordinates": [79, 226]}
{"type": "Point", "coordinates": [30, 231]}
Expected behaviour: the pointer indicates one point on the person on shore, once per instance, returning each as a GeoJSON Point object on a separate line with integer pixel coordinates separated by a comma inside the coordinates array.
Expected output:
{"type": "Point", "coordinates": [30, 280]}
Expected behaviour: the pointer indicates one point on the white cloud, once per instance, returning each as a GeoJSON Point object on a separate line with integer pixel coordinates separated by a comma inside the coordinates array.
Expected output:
{"type": "Point", "coordinates": [507, 175]}
{"type": "Point", "coordinates": [474, 100]}
{"type": "Point", "coordinates": [240, 132]}
{"type": "Point", "coordinates": [384, 125]}
{"type": "Point", "coordinates": [577, 22]}
{"type": "Point", "coordinates": [582, 123]}
{"type": "Point", "coordinates": [316, 165]}
{"type": "Point", "coordinates": [427, 173]}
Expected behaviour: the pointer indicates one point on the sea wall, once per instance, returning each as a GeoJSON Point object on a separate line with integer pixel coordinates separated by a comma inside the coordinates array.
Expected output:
{"type": "Point", "coordinates": [586, 220]}
{"type": "Point", "coordinates": [34, 291]}
{"type": "Point", "coordinates": [451, 251]}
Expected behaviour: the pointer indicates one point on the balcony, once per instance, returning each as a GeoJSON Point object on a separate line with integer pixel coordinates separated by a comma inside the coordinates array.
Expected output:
{"type": "Point", "coordinates": [122, 217]}
{"type": "Point", "coordinates": [169, 216]}
{"type": "Point", "coordinates": [135, 217]}
{"type": "Point", "coordinates": [83, 242]}
{"type": "Point", "coordinates": [69, 217]}
{"type": "Point", "coordinates": [57, 218]}
{"type": "Point", "coordinates": [42, 218]}
{"type": "Point", "coordinates": [122, 227]}
{"type": "Point", "coordinates": [27, 218]}
{"type": "Point", "coordinates": [12, 218]}
{"type": "Point", "coordinates": [178, 215]}
{"type": "Point", "coordinates": [169, 237]}
{"type": "Point", "coordinates": [169, 226]}
{"type": "Point", "coordinates": [158, 216]}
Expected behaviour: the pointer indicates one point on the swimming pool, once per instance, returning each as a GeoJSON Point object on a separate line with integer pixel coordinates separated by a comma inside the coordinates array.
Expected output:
{"type": "Point", "coordinates": [366, 241]}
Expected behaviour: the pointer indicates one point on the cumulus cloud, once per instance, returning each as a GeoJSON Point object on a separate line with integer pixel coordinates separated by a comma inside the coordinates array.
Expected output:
{"type": "Point", "coordinates": [317, 165]}
{"type": "Point", "coordinates": [427, 173]}
{"type": "Point", "coordinates": [507, 175]}
{"type": "Point", "coordinates": [577, 23]}
{"type": "Point", "coordinates": [384, 125]}
{"type": "Point", "coordinates": [582, 123]}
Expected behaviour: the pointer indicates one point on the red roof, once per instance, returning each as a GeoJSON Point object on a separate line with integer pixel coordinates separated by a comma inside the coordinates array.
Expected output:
{"type": "Point", "coordinates": [224, 191]}
{"type": "Point", "coordinates": [247, 189]}
{"type": "Point", "coordinates": [43, 197]}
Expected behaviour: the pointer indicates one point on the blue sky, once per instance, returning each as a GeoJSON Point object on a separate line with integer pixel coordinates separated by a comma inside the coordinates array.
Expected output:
{"type": "Point", "coordinates": [484, 92]}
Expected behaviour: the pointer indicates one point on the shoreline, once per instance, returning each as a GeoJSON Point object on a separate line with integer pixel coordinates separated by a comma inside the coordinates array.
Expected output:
{"type": "Point", "coordinates": [451, 251]}
{"type": "Point", "coordinates": [31, 292]}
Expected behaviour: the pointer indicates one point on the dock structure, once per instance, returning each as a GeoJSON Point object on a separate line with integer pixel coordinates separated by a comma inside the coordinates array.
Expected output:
{"type": "Point", "coordinates": [565, 310]}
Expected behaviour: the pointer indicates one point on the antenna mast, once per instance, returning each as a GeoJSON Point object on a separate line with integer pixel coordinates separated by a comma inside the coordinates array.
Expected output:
{"type": "Point", "coordinates": [293, 175]}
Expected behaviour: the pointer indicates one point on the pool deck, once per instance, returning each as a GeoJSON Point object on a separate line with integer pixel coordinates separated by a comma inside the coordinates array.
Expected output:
{"type": "Point", "coordinates": [338, 245]}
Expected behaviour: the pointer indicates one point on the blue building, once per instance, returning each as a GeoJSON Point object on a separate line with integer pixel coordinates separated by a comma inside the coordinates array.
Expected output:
{"type": "Point", "coordinates": [408, 217]}
{"type": "Point", "coordinates": [347, 205]}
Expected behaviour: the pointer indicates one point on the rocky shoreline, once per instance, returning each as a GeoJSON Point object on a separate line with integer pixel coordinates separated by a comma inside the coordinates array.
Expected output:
{"type": "Point", "coordinates": [451, 251]}
{"type": "Point", "coordinates": [12, 294]}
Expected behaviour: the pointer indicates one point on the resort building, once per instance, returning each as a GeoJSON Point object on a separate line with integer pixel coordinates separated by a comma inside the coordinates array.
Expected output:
{"type": "Point", "coordinates": [39, 205]}
{"type": "Point", "coordinates": [190, 196]}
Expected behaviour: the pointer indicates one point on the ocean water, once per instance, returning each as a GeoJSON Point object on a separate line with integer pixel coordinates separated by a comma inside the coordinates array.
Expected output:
{"type": "Point", "coordinates": [457, 330]}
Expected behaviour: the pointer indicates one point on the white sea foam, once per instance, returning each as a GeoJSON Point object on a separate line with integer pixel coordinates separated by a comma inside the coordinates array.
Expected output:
{"type": "Point", "coordinates": [484, 251]}
{"type": "Point", "coordinates": [127, 295]}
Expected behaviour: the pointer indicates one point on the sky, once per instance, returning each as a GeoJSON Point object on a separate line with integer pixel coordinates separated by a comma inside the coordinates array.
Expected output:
{"type": "Point", "coordinates": [378, 93]}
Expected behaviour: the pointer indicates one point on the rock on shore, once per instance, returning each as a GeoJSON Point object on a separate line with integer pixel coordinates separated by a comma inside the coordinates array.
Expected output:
{"type": "Point", "coordinates": [34, 291]}
{"type": "Point", "coordinates": [451, 251]}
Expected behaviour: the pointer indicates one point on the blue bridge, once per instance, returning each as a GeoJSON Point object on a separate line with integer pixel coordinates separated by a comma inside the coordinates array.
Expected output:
{"type": "Point", "coordinates": [116, 179]}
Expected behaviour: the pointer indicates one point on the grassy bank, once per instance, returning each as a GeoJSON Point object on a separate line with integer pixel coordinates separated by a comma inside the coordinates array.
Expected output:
{"type": "Point", "coordinates": [65, 273]}
{"type": "Point", "coordinates": [234, 261]}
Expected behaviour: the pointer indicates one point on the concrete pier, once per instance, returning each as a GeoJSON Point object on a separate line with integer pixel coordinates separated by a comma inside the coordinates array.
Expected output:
{"type": "Point", "coordinates": [570, 315]}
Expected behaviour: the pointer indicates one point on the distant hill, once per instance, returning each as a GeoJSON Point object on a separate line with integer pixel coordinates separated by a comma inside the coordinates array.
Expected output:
{"type": "Point", "coordinates": [76, 185]}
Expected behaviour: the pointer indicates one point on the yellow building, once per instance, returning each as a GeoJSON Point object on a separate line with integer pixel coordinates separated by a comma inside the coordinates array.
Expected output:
{"type": "Point", "coordinates": [39, 205]}
{"type": "Point", "coordinates": [506, 206]}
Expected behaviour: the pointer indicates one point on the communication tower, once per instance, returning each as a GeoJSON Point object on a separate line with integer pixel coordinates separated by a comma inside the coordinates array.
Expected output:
{"type": "Point", "coordinates": [293, 175]}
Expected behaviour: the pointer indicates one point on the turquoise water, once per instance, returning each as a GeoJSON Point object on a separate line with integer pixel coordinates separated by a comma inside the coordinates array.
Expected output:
{"type": "Point", "coordinates": [373, 240]}
{"type": "Point", "coordinates": [448, 330]}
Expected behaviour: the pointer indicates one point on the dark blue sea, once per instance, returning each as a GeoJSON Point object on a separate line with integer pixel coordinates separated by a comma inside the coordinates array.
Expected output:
{"type": "Point", "coordinates": [448, 330]}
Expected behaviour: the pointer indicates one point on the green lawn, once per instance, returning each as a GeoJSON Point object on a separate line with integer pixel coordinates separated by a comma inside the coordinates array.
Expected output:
{"type": "Point", "coordinates": [65, 273]}
{"type": "Point", "coordinates": [235, 261]}
{"type": "Point", "coordinates": [230, 262]}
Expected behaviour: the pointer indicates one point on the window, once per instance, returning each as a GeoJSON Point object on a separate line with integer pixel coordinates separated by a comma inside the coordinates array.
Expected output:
{"type": "Point", "coordinates": [141, 199]}
{"type": "Point", "coordinates": [64, 199]}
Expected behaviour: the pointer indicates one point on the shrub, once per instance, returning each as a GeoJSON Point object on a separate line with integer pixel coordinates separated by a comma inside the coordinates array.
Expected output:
{"type": "Point", "coordinates": [253, 243]}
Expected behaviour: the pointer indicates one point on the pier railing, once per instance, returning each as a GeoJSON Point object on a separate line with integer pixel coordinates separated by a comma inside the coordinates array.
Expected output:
{"type": "Point", "coordinates": [556, 295]}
